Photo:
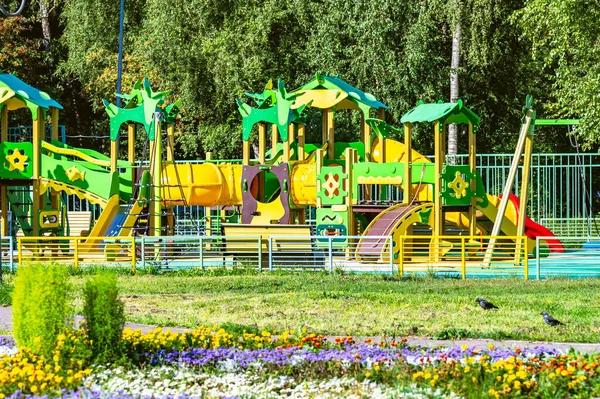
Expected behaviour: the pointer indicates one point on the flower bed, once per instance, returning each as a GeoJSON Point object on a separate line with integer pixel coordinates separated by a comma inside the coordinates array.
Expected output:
{"type": "Point", "coordinates": [214, 363]}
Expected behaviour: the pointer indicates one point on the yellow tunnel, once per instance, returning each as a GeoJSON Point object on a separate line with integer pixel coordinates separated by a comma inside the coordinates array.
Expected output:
{"type": "Point", "coordinates": [203, 184]}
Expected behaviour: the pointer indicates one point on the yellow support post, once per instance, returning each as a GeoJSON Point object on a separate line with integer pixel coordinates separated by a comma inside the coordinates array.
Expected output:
{"type": "Point", "coordinates": [157, 178]}
{"type": "Point", "coordinates": [350, 155]}
{"type": "Point", "coordinates": [524, 190]}
{"type": "Point", "coordinates": [301, 142]}
{"type": "Point", "coordinates": [274, 139]}
{"type": "Point", "coordinates": [463, 261]}
{"type": "Point", "coordinates": [291, 133]}
{"type": "Point", "coordinates": [207, 212]}
{"type": "Point", "coordinates": [439, 162]}
{"type": "Point", "coordinates": [131, 149]}
{"type": "Point", "coordinates": [525, 257]}
{"type": "Point", "coordinates": [75, 252]}
{"type": "Point", "coordinates": [246, 152]}
{"type": "Point", "coordinates": [262, 143]}
{"type": "Point", "coordinates": [401, 257]}
{"type": "Point", "coordinates": [20, 251]}
{"type": "Point", "coordinates": [407, 183]}
{"type": "Point", "coordinates": [319, 155]}
{"type": "Point", "coordinates": [3, 198]}
{"type": "Point", "coordinates": [324, 126]}
{"type": "Point", "coordinates": [473, 181]}
{"type": "Point", "coordinates": [133, 257]}
{"type": "Point", "coordinates": [365, 136]}
{"type": "Point", "coordinates": [54, 120]}
{"type": "Point", "coordinates": [54, 137]}
{"type": "Point", "coordinates": [286, 145]}
{"type": "Point", "coordinates": [38, 131]}
{"type": "Point", "coordinates": [170, 142]}
{"type": "Point", "coordinates": [330, 135]}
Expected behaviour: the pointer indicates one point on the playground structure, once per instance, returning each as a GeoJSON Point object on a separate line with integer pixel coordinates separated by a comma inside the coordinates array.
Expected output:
{"type": "Point", "coordinates": [376, 200]}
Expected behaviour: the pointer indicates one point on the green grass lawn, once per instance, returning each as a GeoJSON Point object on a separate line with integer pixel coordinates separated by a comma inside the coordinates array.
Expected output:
{"type": "Point", "coordinates": [369, 305]}
{"type": "Point", "coordinates": [366, 305]}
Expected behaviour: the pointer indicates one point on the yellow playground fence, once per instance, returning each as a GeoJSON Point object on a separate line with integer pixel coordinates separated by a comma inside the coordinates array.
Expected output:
{"type": "Point", "coordinates": [456, 256]}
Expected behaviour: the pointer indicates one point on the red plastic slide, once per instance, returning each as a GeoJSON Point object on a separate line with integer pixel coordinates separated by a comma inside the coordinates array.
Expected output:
{"type": "Point", "coordinates": [533, 229]}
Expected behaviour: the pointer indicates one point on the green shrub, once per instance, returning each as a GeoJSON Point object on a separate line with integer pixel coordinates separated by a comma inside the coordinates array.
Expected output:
{"type": "Point", "coordinates": [105, 316]}
{"type": "Point", "coordinates": [41, 306]}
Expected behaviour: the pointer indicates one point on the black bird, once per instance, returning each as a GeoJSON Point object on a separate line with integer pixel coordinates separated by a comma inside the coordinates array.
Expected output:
{"type": "Point", "coordinates": [485, 304]}
{"type": "Point", "coordinates": [551, 321]}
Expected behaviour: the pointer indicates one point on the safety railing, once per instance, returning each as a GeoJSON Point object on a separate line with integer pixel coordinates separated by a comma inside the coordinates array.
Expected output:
{"type": "Point", "coordinates": [463, 256]}
{"type": "Point", "coordinates": [456, 256]}
{"type": "Point", "coordinates": [78, 251]}
{"type": "Point", "coordinates": [567, 257]}
{"type": "Point", "coordinates": [7, 253]}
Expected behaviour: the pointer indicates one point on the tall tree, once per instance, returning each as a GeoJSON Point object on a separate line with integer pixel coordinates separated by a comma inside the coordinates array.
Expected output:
{"type": "Point", "coordinates": [566, 38]}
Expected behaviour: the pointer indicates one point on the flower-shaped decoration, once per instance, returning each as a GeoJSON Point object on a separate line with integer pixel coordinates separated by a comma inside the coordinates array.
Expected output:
{"type": "Point", "coordinates": [459, 185]}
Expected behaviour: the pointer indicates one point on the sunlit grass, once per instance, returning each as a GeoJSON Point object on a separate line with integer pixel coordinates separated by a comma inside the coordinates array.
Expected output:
{"type": "Point", "coordinates": [369, 305]}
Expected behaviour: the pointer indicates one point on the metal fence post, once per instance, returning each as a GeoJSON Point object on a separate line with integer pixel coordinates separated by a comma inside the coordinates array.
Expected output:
{"type": "Point", "coordinates": [143, 246]}
{"type": "Point", "coordinates": [526, 258]}
{"type": "Point", "coordinates": [401, 256]}
{"type": "Point", "coordinates": [270, 245]}
{"type": "Point", "coordinates": [259, 253]}
{"type": "Point", "coordinates": [11, 255]}
{"type": "Point", "coordinates": [463, 261]}
{"type": "Point", "coordinates": [391, 256]}
{"type": "Point", "coordinates": [330, 253]}
{"type": "Point", "coordinates": [133, 255]}
{"type": "Point", "coordinates": [537, 258]}
{"type": "Point", "coordinates": [19, 251]}
{"type": "Point", "coordinates": [75, 253]}
{"type": "Point", "coordinates": [201, 252]}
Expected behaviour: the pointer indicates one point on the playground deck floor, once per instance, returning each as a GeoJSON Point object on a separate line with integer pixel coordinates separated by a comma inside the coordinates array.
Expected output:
{"type": "Point", "coordinates": [563, 347]}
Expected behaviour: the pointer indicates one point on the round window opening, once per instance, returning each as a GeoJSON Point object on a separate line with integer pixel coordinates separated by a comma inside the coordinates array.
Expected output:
{"type": "Point", "coordinates": [265, 187]}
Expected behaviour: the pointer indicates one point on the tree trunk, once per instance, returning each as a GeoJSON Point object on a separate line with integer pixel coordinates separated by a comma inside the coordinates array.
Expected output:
{"type": "Point", "coordinates": [454, 64]}
{"type": "Point", "coordinates": [44, 16]}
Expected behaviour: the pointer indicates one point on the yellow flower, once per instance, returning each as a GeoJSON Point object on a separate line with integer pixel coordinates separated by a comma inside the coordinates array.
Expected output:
{"type": "Point", "coordinates": [551, 375]}
{"type": "Point", "coordinates": [367, 374]}
{"type": "Point", "coordinates": [34, 389]}
{"type": "Point", "coordinates": [464, 347]}
{"type": "Point", "coordinates": [467, 369]}
{"type": "Point", "coordinates": [517, 384]}
{"type": "Point", "coordinates": [491, 346]}
{"type": "Point", "coordinates": [564, 373]}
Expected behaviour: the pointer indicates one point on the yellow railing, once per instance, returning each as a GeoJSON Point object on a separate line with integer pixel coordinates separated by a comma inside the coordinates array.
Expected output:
{"type": "Point", "coordinates": [463, 255]}
{"type": "Point", "coordinates": [76, 251]}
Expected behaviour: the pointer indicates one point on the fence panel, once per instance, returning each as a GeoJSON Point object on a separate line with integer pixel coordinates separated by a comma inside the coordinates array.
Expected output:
{"type": "Point", "coordinates": [78, 251]}
{"type": "Point", "coordinates": [184, 252]}
{"type": "Point", "coordinates": [581, 258]}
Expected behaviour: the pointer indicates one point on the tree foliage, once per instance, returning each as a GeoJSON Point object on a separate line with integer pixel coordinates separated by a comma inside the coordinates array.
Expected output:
{"type": "Point", "coordinates": [210, 51]}
{"type": "Point", "coordinates": [566, 39]}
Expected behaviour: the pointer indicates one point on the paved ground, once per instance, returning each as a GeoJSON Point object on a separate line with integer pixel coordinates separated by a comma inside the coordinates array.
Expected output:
{"type": "Point", "coordinates": [6, 324]}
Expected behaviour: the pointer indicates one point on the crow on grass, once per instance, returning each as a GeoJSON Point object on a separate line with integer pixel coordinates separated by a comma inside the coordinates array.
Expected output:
{"type": "Point", "coordinates": [551, 321]}
{"type": "Point", "coordinates": [485, 304]}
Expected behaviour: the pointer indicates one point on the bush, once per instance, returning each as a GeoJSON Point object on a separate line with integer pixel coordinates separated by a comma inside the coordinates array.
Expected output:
{"type": "Point", "coordinates": [41, 306]}
{"type": "Point", "coordinates": [105, 316]}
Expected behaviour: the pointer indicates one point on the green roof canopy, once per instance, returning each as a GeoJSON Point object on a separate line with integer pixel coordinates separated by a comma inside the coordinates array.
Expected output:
{"type": "Point", "coordinates": [333, 83]}
{"type": "Point", "coordinates": [446, 113]}
{"type": "Point", "coordinates": [28, 94]}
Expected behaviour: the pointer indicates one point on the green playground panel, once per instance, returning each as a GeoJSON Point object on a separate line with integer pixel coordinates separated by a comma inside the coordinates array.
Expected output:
{"type": "Point", "coordinates": [102, 183]}
{"type": "Point", "coordinates": [332, 179]}
{"type": "Point", "coordinates": [24, 159]}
